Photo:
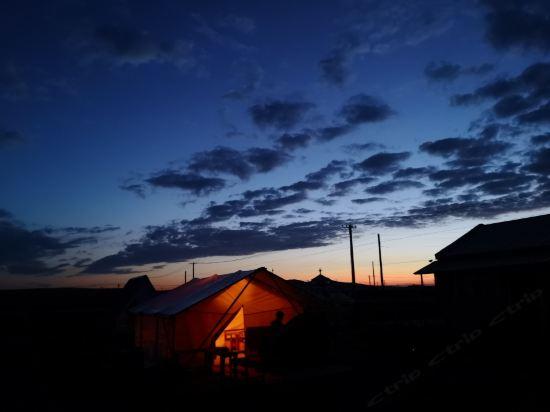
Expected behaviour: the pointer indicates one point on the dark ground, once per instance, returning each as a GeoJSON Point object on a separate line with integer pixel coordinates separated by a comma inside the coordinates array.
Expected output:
{"type": "Point", "coordinates": [68, 349]}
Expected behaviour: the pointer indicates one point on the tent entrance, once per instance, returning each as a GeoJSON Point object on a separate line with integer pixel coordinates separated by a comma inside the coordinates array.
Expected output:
{"type": "Point", "coordinates": [232, 336]}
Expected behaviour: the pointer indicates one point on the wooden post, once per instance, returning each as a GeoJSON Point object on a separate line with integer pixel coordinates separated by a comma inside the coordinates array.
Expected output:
{"type": "Point", "coordinates": [350, 229]}
{"type": "Point", "coordinates": [380, 258]}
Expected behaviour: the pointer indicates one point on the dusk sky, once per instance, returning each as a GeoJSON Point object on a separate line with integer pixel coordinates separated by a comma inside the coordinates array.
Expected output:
{"type": "Point", "coordinates": [136, 137]}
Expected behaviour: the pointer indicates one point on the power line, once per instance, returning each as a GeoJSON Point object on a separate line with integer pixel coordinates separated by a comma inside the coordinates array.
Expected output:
{"type": "Point", "coordinates": [248, 257]}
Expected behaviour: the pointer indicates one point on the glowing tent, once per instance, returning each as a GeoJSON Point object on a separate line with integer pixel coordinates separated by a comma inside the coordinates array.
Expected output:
{"type": "Point", "coordinates": [191, 320]}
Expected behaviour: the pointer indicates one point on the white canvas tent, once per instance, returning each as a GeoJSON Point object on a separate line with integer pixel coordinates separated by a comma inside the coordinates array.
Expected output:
{"type": "Point", "coordinates": [188, 321]}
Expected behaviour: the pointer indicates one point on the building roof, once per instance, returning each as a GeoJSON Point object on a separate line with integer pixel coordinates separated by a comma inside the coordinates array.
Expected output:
{"type": "Point", "coordinates": [532, 233]}
{"type": "Point", "coordinates": [513, 242]}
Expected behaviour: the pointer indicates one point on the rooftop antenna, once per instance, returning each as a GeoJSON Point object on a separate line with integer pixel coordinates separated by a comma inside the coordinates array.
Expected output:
{"type": "Point", "coordinates": [320, 272]}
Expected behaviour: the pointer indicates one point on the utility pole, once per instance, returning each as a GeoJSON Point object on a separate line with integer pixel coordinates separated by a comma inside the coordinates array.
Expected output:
{"type": "Point", "coordinates": [373, 276]}
{"type": "Point", "coordinates": [185, 277]}
{"type": "Point", "coordinates": [380, 258]}
{"type": "Point", "coordinates": [193, 264]}
{"type": "Point", "coordinates": [350, 228]}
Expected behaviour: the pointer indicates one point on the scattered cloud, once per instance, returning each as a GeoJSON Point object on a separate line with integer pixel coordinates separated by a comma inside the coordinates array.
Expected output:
{"type": "Point", "coordinates": [121, 46]}
{"type": "Point", "coordinates": [28, 252]}
{"type": "Point", "coordinates": [466, 152]}
{"type": "Point", "coordinates": [363, 108]}
{"type": "Point", "coordinates": [382, 163]}
{"type": "Point", "coordinates": [356, 148]}
{"type": "Point", "coordinates": [393, 186]}
{"type": "Point", "coordinates": [445, 71]}
{"type": "Point", "coordinates": [366, 200]}
{"type": "Point", "coordinates": [292, 141]}
{"type": "Point", "coordinates": [523, 25]}
{"type": "Point", "coordinates": [524, 96]}
{"type": "Point", "coordinates": [181, 241]}
{"type": "Point", "coordinates": [279, 114]}
{"type": "Point", "coordinates": [241, 164]}
{"type": "Point", "coordinates": [189, 182]}
{"type": "Point", "coordinates": [378, 27]}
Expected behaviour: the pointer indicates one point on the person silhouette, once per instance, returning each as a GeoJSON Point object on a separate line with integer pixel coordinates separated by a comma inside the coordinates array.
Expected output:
{"type": "Point", "coordinates": [277, 324]}
{"type": "Point", "coordinates": [272, 343]}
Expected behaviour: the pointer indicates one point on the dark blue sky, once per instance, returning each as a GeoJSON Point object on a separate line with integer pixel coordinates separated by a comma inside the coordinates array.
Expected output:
{"type": "Point", "coordinates": [137, 136]}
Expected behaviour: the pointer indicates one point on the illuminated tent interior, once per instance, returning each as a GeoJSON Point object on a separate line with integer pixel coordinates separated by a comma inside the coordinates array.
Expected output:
{"type": "Point", "coordinates": [219, 311]}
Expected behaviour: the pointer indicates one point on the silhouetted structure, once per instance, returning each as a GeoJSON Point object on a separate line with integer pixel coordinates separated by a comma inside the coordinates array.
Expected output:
{"type": "Point", "coordinates": [208, 316]}
{"type": "Point", "coordinates": [496, 273]}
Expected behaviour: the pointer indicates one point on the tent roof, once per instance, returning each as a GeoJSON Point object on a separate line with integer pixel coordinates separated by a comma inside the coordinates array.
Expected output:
{"type": "Point", "coordinates": [511, 236]}
{"type": "Point", "coordinates": [191, 293]}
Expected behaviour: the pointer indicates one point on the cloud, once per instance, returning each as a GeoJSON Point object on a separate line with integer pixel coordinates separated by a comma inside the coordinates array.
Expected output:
{"type": "Point", "coordinates": [541, 139]}
{"type": "Point", "coordinates": [344, 187]}
{"type": "Point", "coordinates": [378, 27]}
{"type": "Point", "coordinates": [221, 160]}
{"type": "Point", "coordinates": [129, 46]}
{"type": "Point", "coordinates": [264, 160]}
{"type": "Point", "coordinates": [413, 172]}
{"type": "Point", "coordinates": [382, 163]}
{"type": "Point", "coordinates": [366, 200]}
{"type": "Point", "coordinates": [515, 95]}
{"type": "Point", "coordinates": [328, 133]}
{"type": "Point", "coordinates": [269, 200]}
{"type": "Point", "coordinates": [26, 252]}
{"type": "Point", "coordinates": [511, 105]}
{"type": "Point", "coordinates": [355, 148]}
{"type": "Point", "coordinates": [393, 186]}
{"type": "Point", "coordinates": [189, 182]}
{"type": "Point", "coordinates": [363, 108]}
{"type": "Point", "coordinates": [335, 67]}
{"type": "Point", "coordinates": [541, 115]}
{"type": "Point", "coordinates": [474, 208]}
{"type": "Point", "coordinates": [466, 152]}
{"type": "Point", "coordinates": [177, 242]}
{"type": "Point", "coordinates": [242, 164]}
{"type": "Point", "coordinates": [279, 114]}
{"type": "Point", "coordinates": [539, 161]}
{"type": "Point", "coordinates": [523, 25]}
{"type": "Point", "coordinates": [5, 215]}
{"type": "Point", "coordinates": [194, 177]}
{"type": "Point", "coordinates": [291, 141]}
{"type": "Point", "coordinates": [79, 230]}
{"type": "Point", "coordinates": [444, 71]}
{"type": "Point", "coordinates": [10, 138]}
{"type": "Point", "coordinates": [139, 189]}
